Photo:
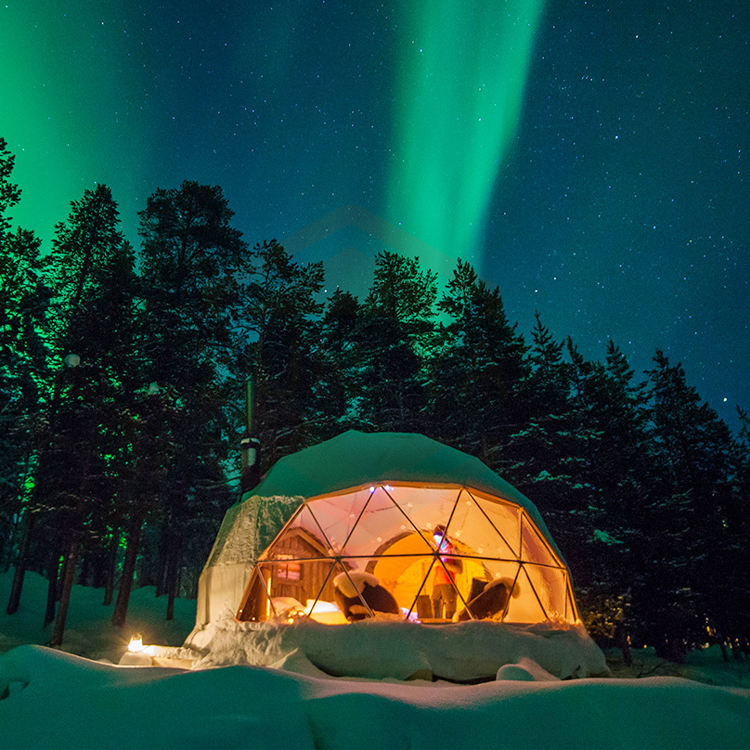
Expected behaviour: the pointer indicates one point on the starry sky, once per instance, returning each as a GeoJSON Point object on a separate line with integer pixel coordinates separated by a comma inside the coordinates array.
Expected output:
{"type": "Point", "coordinates": [590, 158]}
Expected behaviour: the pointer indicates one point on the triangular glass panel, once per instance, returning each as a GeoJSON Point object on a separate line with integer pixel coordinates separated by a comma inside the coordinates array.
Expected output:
{"type": "Point", "coordinates": [479, 574]}
{"type": "Point", "coordinates": [570, 610]}
{"type": "Point", "coordinates": [525, 607]}
{"type": "Point", "coordinates": [255, 606]}
{"type": "Point", "coordinates": [420, 607]}
{"type": "Point", "coordinates": [337, 515]}
{"type": "Point", "coordinates": [472, 533]}
{"type": "Point", "coordinates": [381, 525]}
{"type": "Point", "coordinates": [301, 538]}
{"type": "Point", "coordinates": [550, 585]}
{"type": "Point", "coordinates": [504, 517]}
{"type": "Point", "coordinates": [322, 606]}
{"type": "Point", "coordinates": [533, 548]}
{"type": "Point", "coordinates": [426, 507]}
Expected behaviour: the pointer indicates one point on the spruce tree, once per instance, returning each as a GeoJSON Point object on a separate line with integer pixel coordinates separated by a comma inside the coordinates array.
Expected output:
{"type": "Point", "coordinates": [398, 335]}
{"type": "Point", "coordinates": [476, 369]}
{"type": "Point", "coordinates": [276, 335]}
{"type": "Point", "coordinates": [24, 371]}
{"type": "Point", "coordinates": [689, 513]}
{"type": "Point", "coordinates": [190, 256]}
{"type": "Point", "coordinates": [67, 435]}
{"type": "Point", "coordinates": [737, 540]}
{"type": "Point", "coordinates": [338, 390]}
{"type": "Point", "coordinates": [612, 406]}
{"type": "Point", "coordinates": [92, 267]}
{"type": "Point", "coordinates": [549, 457]}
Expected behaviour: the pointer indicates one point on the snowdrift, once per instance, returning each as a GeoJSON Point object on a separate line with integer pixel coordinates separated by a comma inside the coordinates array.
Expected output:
{"type": "Point", "coordinates": [459, 652]}
{"type": "Point", "coordinates": [53, 699]}
{"type": "Point", "coordinates": [103, 706]}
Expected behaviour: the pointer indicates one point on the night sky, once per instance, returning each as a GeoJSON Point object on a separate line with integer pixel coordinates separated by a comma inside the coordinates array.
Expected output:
{"type": "Point", "coordinates": [589, 157]}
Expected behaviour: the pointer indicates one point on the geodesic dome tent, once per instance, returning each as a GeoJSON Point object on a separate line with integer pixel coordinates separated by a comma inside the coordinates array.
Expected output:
{"type": "Point", "coordinates": [376, 511]}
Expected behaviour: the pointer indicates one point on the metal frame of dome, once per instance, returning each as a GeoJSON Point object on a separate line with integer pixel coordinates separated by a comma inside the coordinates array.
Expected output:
{"type": "Point", "coordinates": [351, 462]}
{"type": "Point", "coordinates": [316, 550]}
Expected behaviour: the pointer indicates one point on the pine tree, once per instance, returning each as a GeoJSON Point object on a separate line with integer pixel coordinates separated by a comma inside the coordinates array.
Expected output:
{"type": "Point", "coordinates": [277, 334]}
{"type": "Point", "coordinates": [549, 458]}
{"type": "Point", "coordinates": [397, 337]}
{"type": "Point", "coordinates": [82, 244]}
{"type": "Point", "coordinates": [107, 336]}
{"type": "Point", "coordinates": [736, 541]}
{"type": "Point", "coordinates": [24, 298]}
{"type": "Point", "coordinates": [92, 267]}
{"type": "Point", "coordinates": [338, 391]}
{"type": "Point", "coordinates": [190, 255]}
{"type": "Point", "coordinates": [477, 369]}
{"type": "Point", "coordinates": [10, 193]}
{"type": "Point", "coordinates": [145, 475]}
{"type": "Point", "coordinates": [612, 406]}
{"type": "Point", "coordinates": [689, 512]}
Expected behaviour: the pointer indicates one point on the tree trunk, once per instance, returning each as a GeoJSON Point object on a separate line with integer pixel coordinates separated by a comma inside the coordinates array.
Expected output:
{"type": "Point", "coordinates": [173, 568]}
{"type": "Point", "coordinates": [71, 560]}
{"type": "Point", "coordinates": [67, 587]}
{"type": "Point", "coordinates": [53, 571]}
{"type": "Point", "coordinates": [624, 643]}
{"type": "Point", "coordinates": [170, 602]}
{"type": "Point", "coordinates": [62, 575]}
{"type": "Point", "coordinates": [163, 566]}
{"type": "Point", "coordinates": [84, 572]}
{"type": "Point", "coordinates": [128, 569]}
{"type": "Point", "coordinates": [17, 587]}
{"type": "Point", "coordinates": [109, 582]}
{"type": "Point", "coordinates": [724, 652]}
{"type": "Point", "coordinates": [18, 523]}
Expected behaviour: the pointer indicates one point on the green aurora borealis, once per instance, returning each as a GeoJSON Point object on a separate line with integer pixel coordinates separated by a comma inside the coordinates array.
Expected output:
{"type": "Point", "coordinates": [458, 98]}
{"type": "Point", "coordinates": [61, 99]}
{"type": "Point", "coordinates": [589, 157]}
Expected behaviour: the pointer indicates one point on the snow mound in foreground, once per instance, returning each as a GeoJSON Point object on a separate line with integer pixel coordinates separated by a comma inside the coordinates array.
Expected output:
{"type": "Point", "coordinates": [459, 652]}
{"type": "Point", "coordinates": [49, 699]}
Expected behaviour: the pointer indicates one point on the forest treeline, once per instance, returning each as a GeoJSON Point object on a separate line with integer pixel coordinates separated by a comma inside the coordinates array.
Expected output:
{"type": "Point", "coordinates": [122, 379]}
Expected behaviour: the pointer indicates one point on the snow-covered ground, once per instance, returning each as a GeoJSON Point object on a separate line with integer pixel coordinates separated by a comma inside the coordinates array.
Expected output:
{"type": "Point", "coordinates": [466, 652]}
{"type": "Point", "coordinates": [55, 699]}
{"type": "Point", "coordinates": [88, 630]}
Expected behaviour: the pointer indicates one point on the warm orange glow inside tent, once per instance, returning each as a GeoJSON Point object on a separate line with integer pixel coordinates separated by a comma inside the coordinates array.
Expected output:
{"type": "Point", "coordinates": [489, 553]}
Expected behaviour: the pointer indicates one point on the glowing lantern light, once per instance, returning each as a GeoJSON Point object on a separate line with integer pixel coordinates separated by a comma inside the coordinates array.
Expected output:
{"type": "Point", "coordinates": [136, 643]}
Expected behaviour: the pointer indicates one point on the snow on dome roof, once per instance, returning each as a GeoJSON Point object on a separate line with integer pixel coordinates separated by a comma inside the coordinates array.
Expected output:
{"type": "Point", "coordinates": [354, 458]}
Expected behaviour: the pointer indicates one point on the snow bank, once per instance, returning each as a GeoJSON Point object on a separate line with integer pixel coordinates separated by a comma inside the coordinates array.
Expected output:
{"type": "Point", "coordinates": [102, 706]}
{"type": "Point", "coordinates": [459, 652]}
{"type": "Point", "coordinates": [52, 699]}
{"type": "Point", "coordinates": [706, 664]}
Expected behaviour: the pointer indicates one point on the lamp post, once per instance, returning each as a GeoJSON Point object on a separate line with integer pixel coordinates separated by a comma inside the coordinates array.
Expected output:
{"type": "Point", "coordinates": [249, 444]}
